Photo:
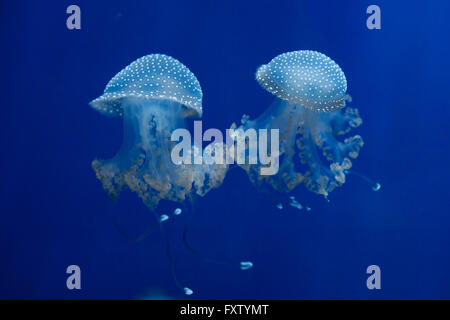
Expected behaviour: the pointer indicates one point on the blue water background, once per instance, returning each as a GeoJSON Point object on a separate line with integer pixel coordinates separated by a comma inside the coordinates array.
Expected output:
{"type": "Point", "coordinates": [54, 212]}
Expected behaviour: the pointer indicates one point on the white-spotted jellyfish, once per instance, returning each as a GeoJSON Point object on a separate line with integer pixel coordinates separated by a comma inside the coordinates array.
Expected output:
{"type": "Point", "coordinates": [154, 95]}
{"type": "Point", "coordinates": [311, 114]}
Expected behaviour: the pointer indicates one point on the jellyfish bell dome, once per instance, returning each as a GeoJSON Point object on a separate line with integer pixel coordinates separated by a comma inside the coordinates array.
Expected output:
{"type": "Point", "coordinates": [305, 77]}
{"type": "Point", "coordinates": [152, 77]}
{"type": "Point", "coordinates": [154, 95]}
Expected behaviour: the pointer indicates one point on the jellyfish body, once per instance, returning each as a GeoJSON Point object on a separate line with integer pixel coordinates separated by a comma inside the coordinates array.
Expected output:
{"type": "Point", "coordinates": [154, 95]}
{"type": "Point", "coordinates": [310, 112]}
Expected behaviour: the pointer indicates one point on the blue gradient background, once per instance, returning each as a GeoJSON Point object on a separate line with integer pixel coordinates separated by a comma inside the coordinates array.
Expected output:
{"type": "Point", "coordinates": [54, 212]}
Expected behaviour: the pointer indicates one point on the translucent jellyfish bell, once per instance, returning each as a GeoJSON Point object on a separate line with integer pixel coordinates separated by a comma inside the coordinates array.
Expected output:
{"type": "Point", "coordinates": [307, 78]}
{"type": "Point", "coordinates": [152, 77]}
{"type": "Point", "coordinates": [155, 95]}
{"type": "Point", "coordinates": [309, 111]}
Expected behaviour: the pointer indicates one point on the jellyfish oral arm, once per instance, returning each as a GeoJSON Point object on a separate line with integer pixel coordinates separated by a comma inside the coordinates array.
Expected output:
{"type": "Point", "coordinates": [143, 163]}
{"type": "Point", "coordinates": [310, 151]}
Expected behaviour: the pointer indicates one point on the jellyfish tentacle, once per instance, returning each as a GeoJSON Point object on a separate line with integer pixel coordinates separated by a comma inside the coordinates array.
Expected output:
{"type": "Point", "coordinates": [374, 184]}
{"type": "Point", "coordinates": [185, 290]}
{"type": "Point", "coordinates": [132, 238]}
{"type": "Point", "coordinates": [195, 252]}
{"type": "Point", "coordinates": [243, 265]}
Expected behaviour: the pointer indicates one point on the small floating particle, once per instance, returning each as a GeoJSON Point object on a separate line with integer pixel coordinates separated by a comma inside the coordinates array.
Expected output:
{"type": "Point", "coordinates": [245, 265]}
{"type": "Point", "coordinates": [376, 187]}
{"type": "Point", "coordinates": [294, 203]}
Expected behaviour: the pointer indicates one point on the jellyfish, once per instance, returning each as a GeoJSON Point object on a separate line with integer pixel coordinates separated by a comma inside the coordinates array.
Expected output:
{"type": "Point", "coordinates": [310, 112]}
{"type": "Point", "coordinates": [154, 95]}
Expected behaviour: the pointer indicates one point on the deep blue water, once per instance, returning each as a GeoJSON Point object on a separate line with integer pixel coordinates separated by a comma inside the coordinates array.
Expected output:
{"type": "Point", "coordinates": [54, 212]}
